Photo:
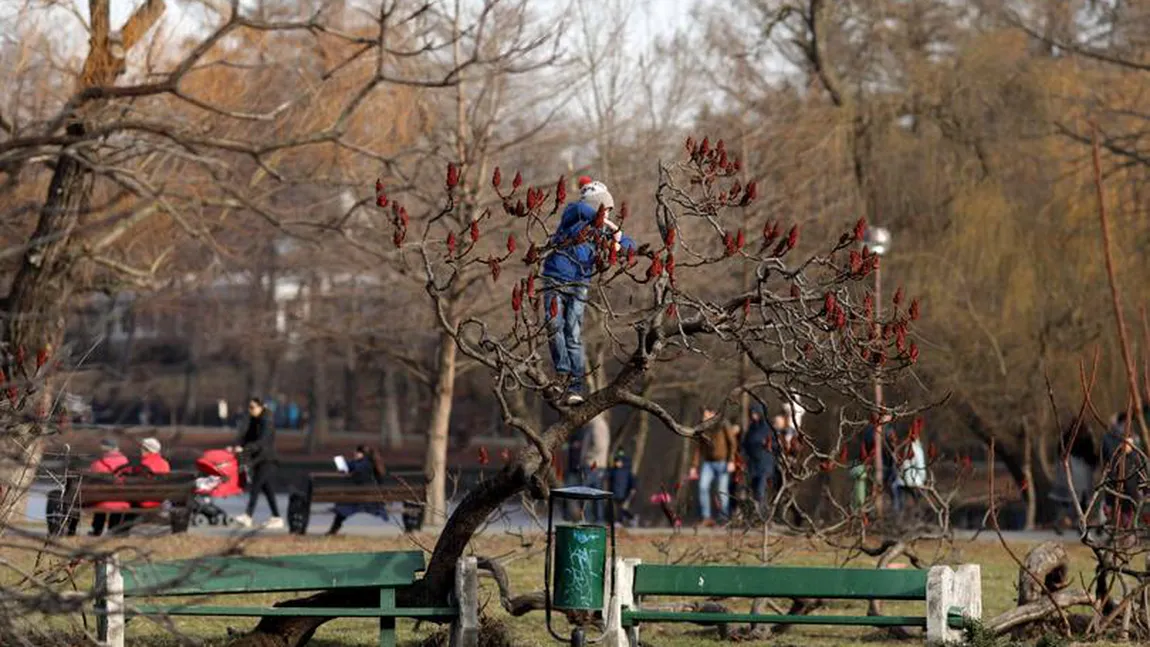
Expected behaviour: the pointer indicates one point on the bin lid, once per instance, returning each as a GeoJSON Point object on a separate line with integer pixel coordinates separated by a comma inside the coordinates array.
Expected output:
{"type": "Point", "coordinates": [580, 492]}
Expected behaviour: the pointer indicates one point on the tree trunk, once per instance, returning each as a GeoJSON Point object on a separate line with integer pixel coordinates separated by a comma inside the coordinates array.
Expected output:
{"type": "Point", "coordinates": [350, 390]}
{"type": "Point", "coordinates": [318, 396]}
{"type": "Point", "coordinates": [391, 435]}
{"type": "Point", "coordinates": [641, 441]}
{"type": "Point", "coordinates": [435, 460]}
{"type": "Point", "coordinates": [190, 415]}
{"type": "Point", "coordinates": [1028, 489]}
{"type": "Point", "coordinates": [37, 303]}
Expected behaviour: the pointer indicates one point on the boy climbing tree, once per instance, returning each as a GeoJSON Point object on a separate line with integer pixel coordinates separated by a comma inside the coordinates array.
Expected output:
{"type": "Point", "coordinates": [584, 232]}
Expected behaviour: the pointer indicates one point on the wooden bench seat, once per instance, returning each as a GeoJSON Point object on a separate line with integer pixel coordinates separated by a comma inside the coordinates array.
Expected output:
{"type": "Point", "coordinates": [83, 491]}
{"type": "Point", "coordinates": [408, 489]}
{"type": "Point", "coordinates": [206, 580]}
{"type": "Point", "coordinates": [949, 597]}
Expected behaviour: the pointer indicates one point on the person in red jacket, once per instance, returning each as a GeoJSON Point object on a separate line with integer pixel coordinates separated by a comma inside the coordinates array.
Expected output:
{"type": "Point", "coordinates": [152, 461]}
{"type": "Point", "coordinates": [110, 512]}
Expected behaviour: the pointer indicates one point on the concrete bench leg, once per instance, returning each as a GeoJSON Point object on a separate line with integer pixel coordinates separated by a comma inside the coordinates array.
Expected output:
{"type": "Point", "coordinates": [465, 629]}
{"type": "Point", "coordinates": [615, 635]}
{"type": "Point", "coordinates": [109, 602]}
{"type": "Point", "coordinates": [948, 589]}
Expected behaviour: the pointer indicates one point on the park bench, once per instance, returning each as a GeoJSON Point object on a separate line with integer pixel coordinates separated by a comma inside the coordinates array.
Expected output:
{"type": "Point", "coordinates": [950, 595]}
{"type": "Point", "coordinates": [201, 581]}
{"type": "Point", "coordinates": [408, 489]}
{"type": "Point", "coordinates": [84, 490]}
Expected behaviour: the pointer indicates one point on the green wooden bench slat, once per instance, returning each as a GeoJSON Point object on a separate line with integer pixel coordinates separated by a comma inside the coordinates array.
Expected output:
{"type": "Point", "coordinates": [243, 574]}
{"type": "Point", "coordinates": [631, 617]}
{"type": "Point", "coordinates": [781, 582]}
{"type": "Point", "coordinates": [255, 612]}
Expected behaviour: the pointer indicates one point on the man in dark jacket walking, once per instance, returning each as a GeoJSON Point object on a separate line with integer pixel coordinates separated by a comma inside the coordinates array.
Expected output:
{"type": "Point", "coordinates": [759, 445]}
{"type": "Point", "coordinates": [257, 444]}
{"type": "Point", "coordinates": [567, 271]}
{"type": "Point", "coordinates": [622, 483]}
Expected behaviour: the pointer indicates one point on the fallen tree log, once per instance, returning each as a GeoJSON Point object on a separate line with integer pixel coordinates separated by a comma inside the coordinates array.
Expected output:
{"type": "Point", "coordinates": [1039, 610]}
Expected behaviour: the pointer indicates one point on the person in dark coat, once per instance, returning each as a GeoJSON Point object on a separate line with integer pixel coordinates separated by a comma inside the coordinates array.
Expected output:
{"type": "Point", "coordinates": [365, 468]}
{"type": "Point", "coordinates": [1125, 470]}
{"type": "Point", "coordinates": [257, 446]}
{"type": "Point", "coordinates": [759, 447]}
{"type": "Point", "coordinates": [622, 483]}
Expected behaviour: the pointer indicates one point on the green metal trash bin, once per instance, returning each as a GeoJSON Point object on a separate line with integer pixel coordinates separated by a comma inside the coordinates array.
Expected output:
{"type": "Point", "coordinates": [580, 564]}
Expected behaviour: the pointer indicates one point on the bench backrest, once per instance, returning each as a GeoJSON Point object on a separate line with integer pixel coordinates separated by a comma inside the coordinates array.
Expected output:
{"type": "Point", "coordinates": [781, 582]}
{"type": "Point", "coordinates": [92, 488]}
{"type": "Point", "coordinates": [242, 574]}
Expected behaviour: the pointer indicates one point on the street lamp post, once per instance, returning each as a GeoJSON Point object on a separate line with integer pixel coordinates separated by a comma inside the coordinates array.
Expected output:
{"type": "Point", "coordinates": [877, 240]}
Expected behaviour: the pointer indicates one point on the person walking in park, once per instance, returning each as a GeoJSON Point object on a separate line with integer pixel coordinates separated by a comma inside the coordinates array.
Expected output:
{"type": "Point", "coordinates": [110, 513]}
{"type": "Point", "coordinates": [623, 484]}
{"type": "Point", "coordinates": [758, 445]}
{"type": "Point", "coordinates": [257, 447]}
{"type": "Point", "coordinates": [596, 453]}
{"type": "Point", "coordinates": [567, 273]}
{"type": "Point", "coordinates": [712, 464]}
{"type": "Point", "coordinates": [574, 469]}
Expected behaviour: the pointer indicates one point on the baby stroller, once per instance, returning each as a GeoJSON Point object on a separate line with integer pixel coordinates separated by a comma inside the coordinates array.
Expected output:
{"type": "Point", "coordinates": [221, 479]}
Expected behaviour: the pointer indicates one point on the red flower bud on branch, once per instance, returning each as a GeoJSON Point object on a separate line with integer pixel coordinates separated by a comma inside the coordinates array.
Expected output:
{"type": "Point", "coordinates": [669, 239]}
{"type": "Point", "coordinates": [705, 147]}
{"type": "Point", "coordinates": [793, 237]}
{"type": "Point", "coordinates": [493, 263]}
{"type": "Point", "coordinates": [830, 302]}
{"type": "Point", "coordinates": [728, 244]}
{"type": "Point", "coordinates": [672, 311]}
{"type": "Point", "coordinates": [474, 231]}
{"type": "Point", "coordinates": [397, 238]}
{"type": "Point", "coordinates": [452, 176]}
{"type": "Point", "coordinates": [451, 243]}
{"type": "Point", "coordinates": [932, 452]}
{"type": "Point", "coordinates": [740, 240]}
{"type": "Point", "coordinates": [483, 457]}
{"type": "Point", "coordinates": [516, 298]}
{"type": "Point", "coordinates": [517, 181]}
{"type": "Point", "coordinates": [496, 178]}
{"type": "Point", "coordinates": [860, 229]}
{"type": "Point", "coordinates": [612, 255]}
{"type": "Point", "coordinates": [631, 256]}
{"type": "Point", "coordinates": [840, 319]}
{"type": "Point", "coordinates": [656, 268]}
{"type": "Point", "coordinates": [553, 307]}
{"type": "Point", "coordinates": [914, 312]}
{"type": "Point", "coordinates": [750, 193]}
{"type": "Point", "coordinates": [41, 357]}
{"type": "Point", "coordinates": [898, 296]}
{"type": "Point", "coordinates": [3, 377]}
{"type": "Point", "coordinates": [913, 354]}
{"type": "Point", "coordinates": [379, 185]}
{"type": "Point", "coordinates": [510, 243]}
{"type": "Point", "coordinates": [856, 263]}
{"type": "Point", "coordinates": [13, 395]}
{"type": "Point", "coordinates": [670, 265]}
{"type": "Point", "coordinates": [601, 216]}
{"type": "Point", "coordinates": [747, 308]}
{"type": "Point", "coordinates": [532, 255]}
{"type": "Point", "coordinates": [868, 307]}
{"type": "Point", "coordinates": [531, 286]}
{"type": "Point", "coordinates": [381, 200]}
{"type": "Point", "coordinates": [560, 192]}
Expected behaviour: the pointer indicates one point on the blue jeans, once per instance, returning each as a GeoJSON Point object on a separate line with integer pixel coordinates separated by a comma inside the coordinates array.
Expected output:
{"type": "Point", "coordinates": [566, 329]}
{"type": "Point", "coordinates": [712, 472]}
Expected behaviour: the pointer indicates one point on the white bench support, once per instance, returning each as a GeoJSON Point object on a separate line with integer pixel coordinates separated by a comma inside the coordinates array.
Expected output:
{"type": "Point", "coordinates": [615, 635]}
{"type": "Point", "coordinates": [109, 602]}
{"type": "Point", "coordinates": [465, 629]}
{"type": "Point", "coordinates": [946, 589]}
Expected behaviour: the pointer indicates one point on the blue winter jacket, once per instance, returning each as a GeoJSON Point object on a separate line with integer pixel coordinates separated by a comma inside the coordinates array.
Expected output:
{"type": "Point", "coordinates": [571, 261]}
{"type": "Point", "coordinates": [760, 444]}
{"type": "Point", "coordinates": [621, 481]}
